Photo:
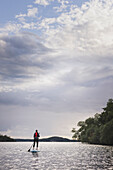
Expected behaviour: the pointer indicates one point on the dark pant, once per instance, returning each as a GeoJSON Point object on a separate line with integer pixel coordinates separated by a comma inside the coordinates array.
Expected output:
{"type": "Point", "coordinates": [35, 140]}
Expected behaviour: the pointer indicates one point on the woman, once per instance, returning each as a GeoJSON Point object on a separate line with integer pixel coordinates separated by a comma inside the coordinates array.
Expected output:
{"type": "Point", "coordinates": [36, 138]}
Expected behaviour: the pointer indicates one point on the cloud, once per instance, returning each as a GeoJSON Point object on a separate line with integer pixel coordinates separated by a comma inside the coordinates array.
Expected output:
{"type": "Point", "coordinates": [43, 2]}
{"type": "Point", "coordinates": [79, 38]}
{"type": "Point", "coordinates": [86, 30]}
{"type": "Point", "coordinates": [22, 56]}
{"type": "Point", "coordinates": [68, 72]}
{"type": "Point", "coordinates": [10, 27]}
{"type": "Point", "coordinates": [62, 7]}
{"type": "Point", "coordinates": [20, 15]}
{"type": "Point", "coordinates": [31, 12]}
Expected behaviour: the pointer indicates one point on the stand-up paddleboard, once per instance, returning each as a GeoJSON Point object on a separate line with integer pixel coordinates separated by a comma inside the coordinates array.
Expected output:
{"type": "Point", "coordinates": [34, 151]}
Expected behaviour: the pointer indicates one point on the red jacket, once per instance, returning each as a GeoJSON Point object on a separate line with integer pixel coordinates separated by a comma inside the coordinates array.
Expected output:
{"type": "Point", "coordinates": [36, 135]}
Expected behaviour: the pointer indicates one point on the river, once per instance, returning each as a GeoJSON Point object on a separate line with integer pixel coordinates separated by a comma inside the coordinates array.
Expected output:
{"type": "Point", "coordinates": [55, 156]}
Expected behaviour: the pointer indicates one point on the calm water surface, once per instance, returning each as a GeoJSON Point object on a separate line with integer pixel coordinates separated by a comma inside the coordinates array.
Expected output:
{"type": "Point", "coordinates": [52, 156]}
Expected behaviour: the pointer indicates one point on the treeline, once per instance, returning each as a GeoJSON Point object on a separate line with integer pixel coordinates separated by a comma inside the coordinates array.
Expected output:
{"type": "Point", "coordinates": [97, 129]}
{"type": "Point", "coordinates": [4, 138]}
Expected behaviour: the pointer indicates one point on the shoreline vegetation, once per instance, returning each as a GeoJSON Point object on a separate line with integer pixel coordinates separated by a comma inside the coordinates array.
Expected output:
{"type": "Point", "coordinates": [98, 129]}
{"type": "Point", "coordinates": [5, 138]}
{"type": "Point", "coordinates": [50, 139]}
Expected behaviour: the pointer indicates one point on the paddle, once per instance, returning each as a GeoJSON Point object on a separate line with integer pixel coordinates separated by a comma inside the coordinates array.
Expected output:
{"type": "Point", "coordinates": [30, 148]}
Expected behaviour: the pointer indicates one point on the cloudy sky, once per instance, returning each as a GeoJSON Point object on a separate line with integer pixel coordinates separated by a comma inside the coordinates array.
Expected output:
{"type": "Point", "coordinates": [56, 64]}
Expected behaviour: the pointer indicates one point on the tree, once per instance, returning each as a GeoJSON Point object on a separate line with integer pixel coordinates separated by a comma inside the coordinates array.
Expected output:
{"type": "Point", "coordinates": [4, 138]}
{"type": "Point", "coordinates": [75, 135]}
{"type": "Point", "coordinates": [97, 129]}
{"type": "Point", "coordinates": [107, 133]}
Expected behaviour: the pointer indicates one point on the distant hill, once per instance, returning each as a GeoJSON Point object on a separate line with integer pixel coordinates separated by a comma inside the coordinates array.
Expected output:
{"type": "Point", "coordinates": [50, 139]}
{"type": "Point", "coordinates": [56, 139]}
{"type": "Point", "coordinates": [4, 138]}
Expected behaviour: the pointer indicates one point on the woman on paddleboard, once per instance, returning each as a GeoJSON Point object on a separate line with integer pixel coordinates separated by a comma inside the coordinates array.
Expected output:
{"type": "Point", "coordinates": [36, 139]}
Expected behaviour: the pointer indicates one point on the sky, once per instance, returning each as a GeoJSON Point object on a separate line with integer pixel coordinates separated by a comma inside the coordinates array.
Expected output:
{"type": "Point", "coordinates": [56, 64]}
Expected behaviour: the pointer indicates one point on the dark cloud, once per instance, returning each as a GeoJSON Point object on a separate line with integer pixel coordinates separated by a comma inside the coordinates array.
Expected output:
{"type": "Point", "coordinates": [20, 53]}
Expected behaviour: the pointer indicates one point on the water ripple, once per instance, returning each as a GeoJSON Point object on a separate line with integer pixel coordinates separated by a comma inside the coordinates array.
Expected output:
{"type": "Point", "coordinates": [53, 156]}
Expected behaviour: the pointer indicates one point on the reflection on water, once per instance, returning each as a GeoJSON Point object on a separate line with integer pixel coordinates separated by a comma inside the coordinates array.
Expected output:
{"type": "Point", "coordinates": [35, 154]}
{"type": "Point", "coordinates": [52, 156]}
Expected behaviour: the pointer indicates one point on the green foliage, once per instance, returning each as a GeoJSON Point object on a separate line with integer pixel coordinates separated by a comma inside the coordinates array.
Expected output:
{"type": "Point", "coordinates": [107, 133]}
{"type": "Point", "coordinates": [75, 136]}
{"type": "Point", "coordinates": [4, 138]}
{"type": "Point", "coordinates": [97, 130]}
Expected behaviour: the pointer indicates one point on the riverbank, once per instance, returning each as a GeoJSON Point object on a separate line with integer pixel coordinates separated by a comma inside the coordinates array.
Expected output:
{"type": "Point", "coordinates": [97, 129]}
{"type": "Point", "coordinates": [50, 139]}
{"type": "Point", "coordinates": [4, 138]}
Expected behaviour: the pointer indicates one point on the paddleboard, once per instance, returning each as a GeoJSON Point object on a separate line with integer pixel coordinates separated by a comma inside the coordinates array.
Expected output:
{"type": "Point", "coordinates": [34, 151]}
